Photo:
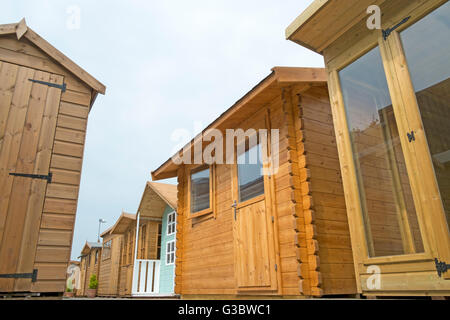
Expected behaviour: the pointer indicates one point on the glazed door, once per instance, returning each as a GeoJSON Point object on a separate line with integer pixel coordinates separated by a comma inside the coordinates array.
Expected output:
{"type": "Point", "coordinates": [391, 114]}
{"type": "Point", "coordinates": [28, 114]}
{"type": "Point", "coordinates": [253, 236]}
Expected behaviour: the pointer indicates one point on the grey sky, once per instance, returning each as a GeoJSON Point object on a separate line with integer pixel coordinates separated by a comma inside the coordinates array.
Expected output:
{"type": "Point", "coordinates": [166, 65]}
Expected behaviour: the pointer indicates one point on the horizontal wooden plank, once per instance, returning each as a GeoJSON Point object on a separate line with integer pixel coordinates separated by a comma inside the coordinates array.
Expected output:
{"type": "Point", "coordinates": [56, 190]}
{"type": "Point", "coordinates": [74, 110]}
{"type": "Point", "coordinates": [52, 254]}
{"type": "Point", "coordinates": [66, 162]}
{"type": "Point", "coordinates": [68, 149]}
{"type": "Point", "coordinates": [51, 271]}
{"type": "Point", "coordinates": [69, 135]}
{"type": "Point", "coordinates": [66, 177]}
{"type": "Point", "coordinates": [50, 237]}
{"type": "Point", "coordinates": [60, 206]}
{"type": "Point", "coordinates": [57, 221]}
{"type": "Point", "coordinates": [76, 97]}
{"type": "Point", "coordinates": [65, 121]}
{"type": "Point", "coordinates": [49, 286]}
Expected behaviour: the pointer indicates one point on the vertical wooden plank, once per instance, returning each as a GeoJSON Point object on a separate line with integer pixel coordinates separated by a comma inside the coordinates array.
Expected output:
{"type": "Point", "coordinates": [14, 189]}
{"type": "Point", "coordinates": [8, 76]}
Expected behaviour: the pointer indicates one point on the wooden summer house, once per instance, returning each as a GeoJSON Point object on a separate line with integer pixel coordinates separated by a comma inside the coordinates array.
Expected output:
{"type": "Point", "coordinates": [275, 226]}
{"type": "Point", "coordinates": [89, 265]}
{"type": "Point", "coordinates": [147, 266]}
{"type": "Point", "coordinates": [45, 100]}
{"type": "Point", "coordinates": [389, 91]}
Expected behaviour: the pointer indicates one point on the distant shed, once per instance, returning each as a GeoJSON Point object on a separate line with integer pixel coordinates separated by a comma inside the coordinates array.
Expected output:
{"type": "Point", "coordinates": [45, 100]}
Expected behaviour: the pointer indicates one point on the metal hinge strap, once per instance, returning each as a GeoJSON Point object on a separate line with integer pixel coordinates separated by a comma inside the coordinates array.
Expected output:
{"type": "Point", "coordinates": [441, 267]}
{"type": "Point", "coordinates": [34, 176]}
{"type": "Point", "coordinates": [32, 276]}
{"type": "Point", "coordinates": [387, 32]}
{"type": "Point", "coordinates": [53, 85]}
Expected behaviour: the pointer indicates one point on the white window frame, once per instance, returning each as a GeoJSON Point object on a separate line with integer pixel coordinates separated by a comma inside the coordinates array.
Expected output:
{"type": "Point", "coordinates": [168, 243]}
{"type": "Point", "coordinates": [169, 224]}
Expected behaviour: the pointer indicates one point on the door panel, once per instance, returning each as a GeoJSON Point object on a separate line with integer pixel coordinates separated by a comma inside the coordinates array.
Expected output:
{"type": "Point", "coordinates": [252, 246]}
{"type": "Point", "coordinates": [28, 123]}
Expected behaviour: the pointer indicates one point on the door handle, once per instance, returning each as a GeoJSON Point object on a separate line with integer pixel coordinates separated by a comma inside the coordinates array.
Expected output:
{"type": "Point", "coordinates": [234, 205]}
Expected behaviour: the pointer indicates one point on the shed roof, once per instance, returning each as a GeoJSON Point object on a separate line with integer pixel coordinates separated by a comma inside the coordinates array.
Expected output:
{"type": "Point", "coordinates": [22, 30]}
{"type": "Point", "coordinates": [252, 101]}
{"type": "Point", "coordinates": [324, 21]}
{"type": "Point", "coordinates": [106, 232]}
{"type": "Point", "coordinates": [156, 197]}
{"type": "Point", "coordinates": [122, 224]}
{"type": "Point", "coordinates": [88, 246]}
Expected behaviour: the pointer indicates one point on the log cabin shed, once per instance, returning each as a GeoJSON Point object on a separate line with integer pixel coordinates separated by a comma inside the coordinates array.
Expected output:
{"type": "Point", "coordinates": [284, 233]}
{"type": "Point", "coordinates": [45, 100]}
{"type": "Point", "coordinates": [389, 91]}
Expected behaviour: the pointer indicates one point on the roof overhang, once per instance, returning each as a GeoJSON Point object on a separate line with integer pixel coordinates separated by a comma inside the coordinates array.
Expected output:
{"type": "Point", "coordinates": [21, 29]}
{"type": "Point", "coordinates": [324, 21]}
{"type": "Point", "coordinates": [261, 94]}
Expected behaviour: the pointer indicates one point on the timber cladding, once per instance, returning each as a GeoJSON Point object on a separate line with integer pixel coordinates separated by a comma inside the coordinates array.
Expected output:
{"type": "Point", "coordinates": [292, 240]}
{"type": "Point", "coordinates": [42, 131]}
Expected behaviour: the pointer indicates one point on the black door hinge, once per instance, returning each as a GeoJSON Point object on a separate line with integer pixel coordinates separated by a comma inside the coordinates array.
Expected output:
{"type": "Point", "coordinates": [53, 85]}
{"type": "Point", "coordinates": [32, 276]}
{"type": "Point", "coordinates": [276, 267]}
{"type": "Point", "coordinates": [387, 32]}
{"type": "Point", "coordinates": [441, 266]}
{"type": "Point", "coordinates": [34, 176]}
{"type": "Point", "coordinates": [411, 136]}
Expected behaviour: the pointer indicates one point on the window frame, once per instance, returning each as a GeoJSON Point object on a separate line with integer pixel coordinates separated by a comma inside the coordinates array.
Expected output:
{"type": "Point", "coordinates": [169, 224]}
{"type": "Point", "coordinates": [106, 248]}
{"type": "Point", "coordinates": [212, 179]}
{"type": "Point", "coordinates": [167, 253]}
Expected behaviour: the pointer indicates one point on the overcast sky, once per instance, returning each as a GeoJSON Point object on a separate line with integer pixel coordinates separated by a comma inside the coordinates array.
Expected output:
{"type": "Point", "coordinates": [168, 66]}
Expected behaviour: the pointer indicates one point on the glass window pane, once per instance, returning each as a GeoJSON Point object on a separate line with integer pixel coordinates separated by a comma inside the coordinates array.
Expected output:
{"type": "Point", "coordinates": [250, 174]}
{"type": "Point", "coordinates": [391, 225]}
{"type": "Point", "coordinates": [200, 190]}
{"type": "Point", "coordinates": [429, 65]}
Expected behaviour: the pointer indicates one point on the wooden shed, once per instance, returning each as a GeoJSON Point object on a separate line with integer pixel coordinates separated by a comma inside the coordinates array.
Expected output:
{"type": "Point", "coordinates": [277, 227]}
{"type": "Point", "coordinates": [108, 278]}
{"type": "Point", "coordinates": [89, 265]}
{"type": "Point", "coordinates": [45, 100]}
{"type": "Point", "coordinates": [389, 91]}
{"type": "Point", "coordinates": [125, 226]}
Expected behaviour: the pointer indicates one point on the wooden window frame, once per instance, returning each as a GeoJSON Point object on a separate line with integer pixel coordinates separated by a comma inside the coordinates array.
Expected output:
{"type": "Point", "coordinates": [404, 101]}
{"type": "Point", "coordinates": [106, 249]}
{"type": "Point", "coordinates": [174, 223]}
{"type": "Point", "coordinates": [171, 252]}
{"type": "Point", "coordinates": [212, 189]}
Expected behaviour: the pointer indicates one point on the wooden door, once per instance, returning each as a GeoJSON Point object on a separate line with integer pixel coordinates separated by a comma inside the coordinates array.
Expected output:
{"type": "Point", "coordinates": [255, 264]}
{"type": "Point", "coordinates": [28, 114]}
{"type": "Point", "coordinates": [252, 245]}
